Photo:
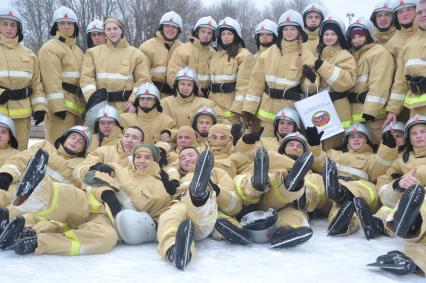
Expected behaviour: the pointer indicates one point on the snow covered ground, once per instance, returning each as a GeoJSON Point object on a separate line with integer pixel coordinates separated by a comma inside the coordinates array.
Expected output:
{"type": "Point", "coordinates": [322, 259]}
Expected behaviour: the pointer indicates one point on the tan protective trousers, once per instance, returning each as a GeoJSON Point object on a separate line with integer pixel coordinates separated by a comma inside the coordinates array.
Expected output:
{"type": "Point", "coordinates": [23, 128]}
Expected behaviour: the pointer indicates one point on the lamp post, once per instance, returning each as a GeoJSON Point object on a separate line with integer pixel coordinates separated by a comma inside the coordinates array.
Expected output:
{"type": "Point", "coordinates": [350, 16]}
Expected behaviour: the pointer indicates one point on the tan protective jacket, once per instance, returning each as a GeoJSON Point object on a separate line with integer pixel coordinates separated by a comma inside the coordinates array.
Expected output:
{"type": "Point", "coordinates": [114, 68]}
{"type": "Point", "coordinates": [18, 70]}
{"type": "Point", "coordinates": [60, 165]}
{"type": "Point", "coordinates": [383, 37]}
{"type": "Point", "coordinates": [411, 62]}
{"type": "Point", "coordinates": [158, 57]}
{"type": "Point", "coordinates": [313, 40]}
{"type": "Point", "coordinates": [182, 110]}
{"type": "Point", "coordinates": [60, 62]}
{"type": "Point", "coordinates": [194, 55]}
{"type": "Point", "coordinates": [374, 74]}
{"type": "Point", "coordinates": [235, 70]}
{"type": "Point", "coordinates": [7, 153]}
{"type": "Point", "coordinates": [152, 123]}
{"type": "Point", "coordinates": [399, 39]}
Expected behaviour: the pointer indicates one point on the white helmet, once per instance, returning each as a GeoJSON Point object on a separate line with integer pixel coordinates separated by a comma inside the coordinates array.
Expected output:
{"type": "Point", "coordinates": [187, 73]}
{"type": "Point", "coordinates": [382, 6]}
{"type": "Point", "coordinates": [148, 90]}
{"type": "Point", "coordinates": [394, 125]}
{"type": "Point", "coordinates": [363, 23]}
{"type": "Point", "coordinates": [230, 23]}
{"type": "Point", "coordinates": [267, 26]}
{"type": "Point", "coordinates": [205, 22]}
{"type": "Point", "coordinates": [298, 137]}
{"type": "Point", "coordinates": [64, 14]}
{"type": "Point", "coordinates": [107, 113]}
{"type": "Point", "coordinates": [171, 18]}
{"type": "Point", "coordinates": [82, 130]}
{"type": "Point", "coordinates": [313, 7]}
{"type": "Point", "coordinates": [399, 4]}
{"type": "Point", "coordinates": [8, 12]}
{"type": "Point", "coordinates": [292, 18]}
{"type": "Point", "coordinates": [417, 119]}
{"type": "Point", "coordinates": [95, 25]}
{"type": "Point", "coordinates": [260, 225]}
{"type": "Point", "coordinates": [287, 113]}
{"type": "Point", "coordinates": [333, 20]}
{"type": "Point", "coordinates": [6, 122]}
{"type": "Point", "coordinates": [204, 110]}
{"type": "Point", "coordinates": [135, 227]}
{"type": "Point", "coordinates": [357, 128]}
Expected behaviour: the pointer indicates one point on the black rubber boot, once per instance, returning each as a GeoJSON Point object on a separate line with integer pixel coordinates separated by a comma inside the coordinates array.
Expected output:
{"type": "Point", "coordinates": [290, 237]}
{"type": "Point", "coordinates": [408, 210]}
{"type": "Point", "coordinates": [4, 218]}
{"type": "Point", "coordinates": [232, 232]}
{"type": "Point", "coordinates": [341, 222]}
{"type": "Point", "coordinates": [25, 245]}
{"type": "Point", "coordinates": [198, 189]}
{"type": "Point", "coordinates": [260, 179]}
{"type": "Point", "coordinates": [296, 176]}
{"type": "Point", "coordinates": [34, 173]}
{"type": "Point", "coordinates": [333, 189]}
{"type": "Point", "coordinates": [371, 226]}
{"type": "Point", "coordinates": [12, 232]}
{"type": "Point", "coordinates": [395, 262]}
{"type": "Point", "coordinates": [184, 240]}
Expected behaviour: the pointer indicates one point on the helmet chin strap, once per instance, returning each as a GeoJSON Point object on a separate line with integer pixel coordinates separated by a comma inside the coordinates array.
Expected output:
{"type": "Point", "coordinates": [311, 29]}
{"type": "Point", "coordinates": [146, 109]}
{"type": "Point", "coordinates": [69, 151]}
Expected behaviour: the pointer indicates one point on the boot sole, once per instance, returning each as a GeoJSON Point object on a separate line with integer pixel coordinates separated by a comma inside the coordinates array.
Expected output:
{"type": "Point", "coordinates": [232, 233]}
{"type": "Point", "coordinates": [410, 203]}
{"type": "Point", "coordinates": [4, 219]}
{"type": "Point", "coordinates": [184, 239]}
{"type": "Point", "coordinates": [365, 218]}
{"type": "Point", "coordinates": [297, 174]}
{"type": "Point", "coordinates": [34, 173]}
{"type": "Point", "coordinates": [342, 219]}
{"type": "Point", "coordinates": [200, 180]}
{"type": "Point", "coordinates": [292, 237]}
{"type": "Point", "coordinates": [260, 178]}
{"type": "Point", "coordinates": [12, 232]}
{"type": "Point", "coordinates": [331, 183]}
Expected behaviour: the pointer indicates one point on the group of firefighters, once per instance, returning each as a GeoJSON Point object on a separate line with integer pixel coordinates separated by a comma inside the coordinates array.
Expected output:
{"type": "Point", "coordinates": [175, 142]}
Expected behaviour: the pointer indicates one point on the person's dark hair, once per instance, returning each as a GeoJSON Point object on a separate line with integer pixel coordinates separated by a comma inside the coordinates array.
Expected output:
{"type": "Point", "coordinates": [233, 48]}
{"type": "Point", "coordinates": [139, 129]}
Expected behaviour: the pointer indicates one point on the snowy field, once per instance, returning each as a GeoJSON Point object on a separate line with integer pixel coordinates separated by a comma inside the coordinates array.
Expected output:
{"type": "Point", "coordinates": [321, 259]}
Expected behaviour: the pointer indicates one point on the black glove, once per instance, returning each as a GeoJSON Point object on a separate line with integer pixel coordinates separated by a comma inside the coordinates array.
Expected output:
{"type": "Point", "coordinates": [61, 114]}
{"type": "Point", "coordinates": [236, 132]}
{"type": "Point", "coordinates": [252, 138]}
{"type": "Point", "coordinates": [367, 117]}
{"type": "Point", "coordinates": [4, 96]}
{"type": "Point", "coordinates": [313, 137]}
{"type": "Point", "coordinates": [396, 187]}
{"type": "Point", "coordinates": [39, 116]}
{"type": "Point", "coordinates": [309, 73]}
{"type": "Point", "coordinates": [163, 157]}
{"type": "Point", "coordinates": [318, 63]}
{"type": "Point", "coordinates": [5, 180]}
{"type": "Point", "coordinates": [249, 116]}
{"type": "Point", "coordinates": [111, 199]}
{"type": "Point", "coordinates": [96, 97]}
{"type": "Point", "coordinates": [388, 139]}
{"type": "Point", "coordinates": [101, 167]}
{"type": "Point", "coordinates": [214, 187]}
{"type": "Point", "coordinates": [170, 186]}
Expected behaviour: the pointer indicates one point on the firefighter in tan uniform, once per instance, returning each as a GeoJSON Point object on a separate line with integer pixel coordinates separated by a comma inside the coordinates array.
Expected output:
{"type": "Point", "coordinates": [21, 91]}
{"type": "Point", "coordinates": [114, 70]}
{"type": "Point", "coordinates": [375, 72]}
{"type": "Point", "coordinates": [68, 151]}
{"type": "Point", "coordinates": [121, 154]}
{"type": "Point", "coordinates": [149, 115]}
{"type": "Point", "coordinates": [276, 77]}
{"type": "Point", "coordinates": [196, 54]}
{"type": "Point", "coordinates": [404, 13]}
{"type": "Point", "coordinates": [8, 141]}
{"type": "Point", "coordinates": [383, 18]}
{"type": "Point", "coordinates": [182, 105]}
{"type": "Point", "coordinates": [265, 35]}
{"type": "Point", "coordinates": [107, 127]}
{"type": "Point", "coordinates": [409, 86]}
{"type": "Point", "coordinates": [184, 137]}
{"type": "Point", "coordinates": [313, 15]}
{"type": "Point", "coordinates": [160, 48]}
{"type": "Point", "coordinates": [95, 34]}
{"type": "Point", "coordinates": [205, 117]}
{"type": "Point", "coordinates": [207, 193]}
{"type": "Point", "coordinates": [350, 175]}
{"type": "Point", "coordinates": [230, 69]}
{"type": "Point", "coordinates": [336, 68]}
{"type": "Point", "coordinates": [60, 65]}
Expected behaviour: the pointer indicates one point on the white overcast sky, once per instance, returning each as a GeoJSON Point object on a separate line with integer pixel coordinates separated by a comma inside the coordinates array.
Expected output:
{"type": "Point", "coordinates": [335, 7]}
